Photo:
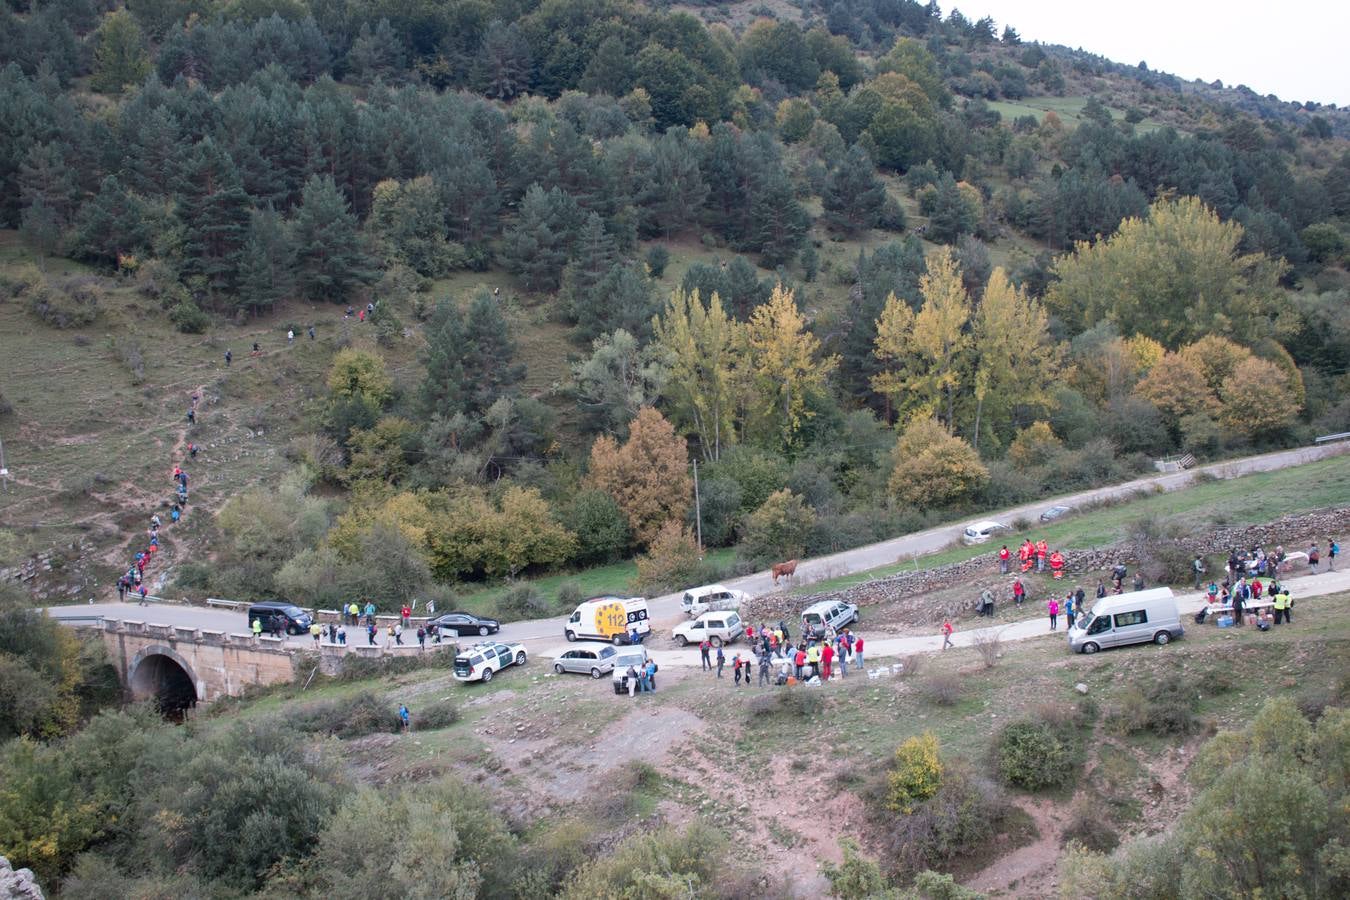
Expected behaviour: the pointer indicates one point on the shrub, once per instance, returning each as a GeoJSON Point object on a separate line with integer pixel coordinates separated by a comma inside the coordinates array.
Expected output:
{"type": "Point", "coordinates": [943, 689]}
{"type": "Point", "coordinates": [601, 528]}
{"type": "Point", "coordinates": [128, 353]}
{"type": "Point", "coordinates": [1035, 755]}
{"type": "Point", "coordinates": [658, 257]}
{"type": "Point", "coordinates": [71, 304]}
{"type": "Point", "coordinates": [989, 646]}
{"type": "Point", "coordinates": [671, 561]}
{"type": "Point", "coordinates": [663, 863]}
{"type": "Point", "coordinates": [1165, 708]}
{"type": "Point", "coordinates": [569, 595]}
{"type": "Point", "coordinates": [523, 602]}
{"type": "Point", "coordinates": [437, 714]}
{"type": "Point", "coordinates": [188, 317]}
{"type": "Point", "coordinates": [1090, 828]}
{"type": "Point", "coordinates": [778, 529]}
{"type": "Point", "coordinates": [801, 703]}
{"type": "Point", "coordinates": [916, 773]}
{"type": "Point", "coordinates": [349, 718]}
{"type": "Point", "coordinates": [961, 818]}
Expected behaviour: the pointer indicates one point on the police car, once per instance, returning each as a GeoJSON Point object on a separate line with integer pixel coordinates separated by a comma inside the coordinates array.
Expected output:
{"type": "Point", "coordinates": [481, 661]}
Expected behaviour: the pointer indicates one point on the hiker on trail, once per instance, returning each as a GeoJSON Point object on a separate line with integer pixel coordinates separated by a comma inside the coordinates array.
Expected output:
{"type": "Point", "coordinates": [1333, 551]}
{"type": "Point", "coordinates": [704, 648]}
{"type": "Point", "coordinates": [946, 634]}
{"type": "Point", "coordinates": [1198, 568]}
{"type": "Point", "coordinates": [311, 332]}
{"type": "Point", "coordinates": [858, 652]}
{"type": "Point", "coordinates": [406, 613]}
{"type": "Point", "coordinates": [257, 351]}
{"type": "Point", "coordinates": [721, 660]}
{"type": "Point", "coordinates": [154, 523]}
{"type": "Point", "coordinates": [421, 637]}
{"type": "Point", "coordinates": [1313, 558]}
{"type": "Point", "coordinates": [404, 717]}
{"type": "Point", "coordinates": [1019, 591]}
{"type": "Point", "coordinates": [229, 355]}
{"type": "Point", "coordinates": [826, 661]}
{"type": "Point", "coordinates": [122, 589]}
{"type": "Point", "coordinates": [1069, 612]}
{"type": "Point", "coordinates": [736, 668]}
{"type": "Point", "coordinates": [1004, 556]}
{"type": "Point", "coordinates": [1138, 581]}
{"type": "Point", "coordinates": [1042, 550]}
{"type": "Point", "coordinates": [290, 336]}
{"type": "Point", "coordinates": [1053, 606]}
{"type": "Point", "coordinates": [361, 316]}
{"type": "Point", "coordinates": [142, 591]}
{"type": "Point", "coordinates": [192, 416]}
{"type": "Point", "coordinates": [192, 450]}
{"type": "Point", "coordinates": [398, 634]}
{"type": "Point", "coordinates": [370, 633]}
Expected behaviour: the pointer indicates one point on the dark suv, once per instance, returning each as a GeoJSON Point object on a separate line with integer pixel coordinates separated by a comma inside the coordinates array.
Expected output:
{"type": "Point", "coordinates": [296, 619]}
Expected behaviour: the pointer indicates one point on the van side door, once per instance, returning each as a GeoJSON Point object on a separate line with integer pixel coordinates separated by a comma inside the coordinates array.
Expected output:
{"type": "Point", "coordinates": [1130, 626]}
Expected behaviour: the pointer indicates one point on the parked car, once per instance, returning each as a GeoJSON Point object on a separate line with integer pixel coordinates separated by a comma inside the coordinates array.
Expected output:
{"type": "Point", "coordinates": [1055, 512]}
{"type": "Point", "coordinates": [481, 661]}
{"type": "Point", "coordinates": [979, 532]}
{"type": "Point", "coordinates": [634, 656]}
{"type": "Point", "coordinates": [591, 658]}
{"type": "Point", "coordinates": [297, 620]}
{"type": "Point", "coordinates": [462, 623]}
{"type": "Point", "coordinates": [718, 627]}
{"type": "Point", "coordinates": [612, 619]}
{"type": "Point", "coordinates": [713, 598]}
{"type": "Point", "coordinates": [819, 618]}
{"type": "Point", "coordinates": [1134, 618]}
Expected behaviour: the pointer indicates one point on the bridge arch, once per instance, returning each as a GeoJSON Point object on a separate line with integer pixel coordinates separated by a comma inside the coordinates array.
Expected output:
{"type": "Point", "coordinates": [159, 673]}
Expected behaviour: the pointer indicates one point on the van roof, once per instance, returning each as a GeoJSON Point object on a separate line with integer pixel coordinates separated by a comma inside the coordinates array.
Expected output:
{"type": "Point", "coordinates": [1133, 598]}
{"type": "Point", "coordinates": [706, 589]}
{"type": "Point", "coordinates": [820, 606]}
{"type": "Point", "coordinates": [272, 604]}
{"type": "Point", "coordinates": [612, 598]}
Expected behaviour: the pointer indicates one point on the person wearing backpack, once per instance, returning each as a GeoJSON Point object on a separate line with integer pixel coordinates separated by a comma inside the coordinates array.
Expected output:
{"type": "Point", "coordinates": [1333, 550]}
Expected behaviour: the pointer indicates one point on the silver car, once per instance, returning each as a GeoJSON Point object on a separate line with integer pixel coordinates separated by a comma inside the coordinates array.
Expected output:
{"type": "Point", "coordinates": [591, 658]}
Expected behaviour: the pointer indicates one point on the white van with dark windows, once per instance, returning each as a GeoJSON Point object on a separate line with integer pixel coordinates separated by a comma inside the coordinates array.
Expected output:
{"type": "Point", "coordinates": [1135, 618]}
{"type": "Point", "coordinates": [819, 618]}
{"type": "Point", "coordinates": [713, 598]}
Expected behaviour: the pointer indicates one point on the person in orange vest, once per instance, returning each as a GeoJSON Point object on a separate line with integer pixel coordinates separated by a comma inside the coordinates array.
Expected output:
{"type": "Point", "coordinates": [1003, 557]}
{"type": "Point", "coordinates": [1025, 554]}
{"type": "Point", "coordinates": [1042, 550]}
{"type": "Point", "coordinates": [1057, 564]}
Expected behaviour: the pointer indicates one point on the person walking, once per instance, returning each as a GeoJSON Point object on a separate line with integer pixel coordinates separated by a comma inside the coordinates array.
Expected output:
{"type": "Point", "coordinates": [1313, 558]}
{"type": "Point", "coordinates": [1053, 606]}
{"type": "Point", "coordinates": [257, 628]}
{"type": "Point", "coordinates": [1138, 581]}
{"type": "Point", "coordinates": [721, 660]}
{"type": "Point", "coordinates": [342, 636]}
{"type": "Point", "coordinates": [370, 633]}
{"type": "Point", "coordinates": [705, 648]}
{"type": "Point", "coordinates": [398, 634]}
{"type": "Point", "coordinates": [315, 632]}
{"type": "Point", "coordinates": [1333, 551]}
{"type": "Point", "coordinates": [370, 611]}
{"type": "Point", "coordinates": [311, 332]}
{"type": "Point", "coordinates": [858, 652]}
{"type": "Point", "coordinates": [946, 633]}
{"type": "Point", "coordinates": [229, 355]}
{"type": "Point", "coordinates": [290, 337]}
{"type": "Point", "coordinates": [764, 669]}
{"type": "Point", "coordinates": [192, 416]}
{"type": "Point", "coordinates": [421, 637]}
{"type": "Point", "coordinates": [1198, 569]}
{"type": "Point", "coordinates": [404, 718]}
{"type": "Point", "coordinates": [1004, 556]}
{"type": "Point", "coordinates": [826, 660]}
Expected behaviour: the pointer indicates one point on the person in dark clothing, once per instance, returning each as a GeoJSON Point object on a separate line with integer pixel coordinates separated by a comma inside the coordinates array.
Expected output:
{"type": "Point", "coordinates": [1237, 607]}
{"type": "Point", "coordinates": [705, 648]}
{"type": "Point", "coordinates": [192, 416]}
{"type": "Point", "coordinates": [229, 355]}
{"type": "Point", "coordinates": [721, 661]}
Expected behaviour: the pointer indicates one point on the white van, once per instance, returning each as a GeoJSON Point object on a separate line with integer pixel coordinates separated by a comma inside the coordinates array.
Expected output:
{"type": "Point", "coordinates": [819, 618]}
{"type": "Point", "coordinates": [714, 597]}
{"type": "Point", "coordinates": [979, 532]}
{"type": "Point", "coordinates": [1134, 618]}
{"type": "Point", "coordinates": [610, 619]}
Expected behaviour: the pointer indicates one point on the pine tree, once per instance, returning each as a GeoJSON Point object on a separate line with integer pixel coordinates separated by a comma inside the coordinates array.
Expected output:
{"type": "Point", "coordinates": [503, 67]}
{"type": "Point", "coordinates": [622, 299]}
{"type": "Point", "coordinates": [782, 222]}
{"type": "Point", "coordinates": [267, 262]}
{"type": "Point", "coordinates": [112, 223]}
{"type": "Point", "coordinates": [674, 191]}
{"type": "Point", "coordinates": [592, 257]}
{"type": "Point", "coordinates": [853, 195]}
{"type": "Point", "coordinates": [120, 59]}
{"type": "Point", "coordinates": [215, 212]}
{"type": "Point", "coordinates": [488, 354]}
{"type": "Point", "coordinates": [442, 390]}
{"type": "Point", "coordinates": [470, 200]}
{"type": "Point", "coordinates": [377, 54]}
{"type": "Point", "coordinates": [539, 245]}
{"type": "Point", "coordinates": [331, 258]}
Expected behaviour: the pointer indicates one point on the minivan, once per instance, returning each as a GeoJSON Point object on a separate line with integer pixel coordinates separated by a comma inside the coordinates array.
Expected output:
{"type": "Point", "coordinates": [297, 620]}
{"type": "Point", "coordinates": [979, 532]}
{"type": "Point", "coordinates": [820, 617]}
{"type": "Point", "coordinates": [1134, 618]}
{"type": "Point", "coordinates": [714, 597]}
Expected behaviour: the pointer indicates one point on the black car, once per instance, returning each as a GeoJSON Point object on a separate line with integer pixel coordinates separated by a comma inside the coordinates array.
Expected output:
{"type": "Point", "coordinates": [462, 623]}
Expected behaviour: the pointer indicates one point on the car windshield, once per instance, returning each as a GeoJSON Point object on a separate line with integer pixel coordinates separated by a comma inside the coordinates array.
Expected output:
{"type": "Point", "coordinates": [294, 612]}
{"type": "Point", "coordinates": [629, 659]}
{"type": "Point", "coordinates": [1085, 622]}
{"type": "Point", "coordinates": [607, 652]}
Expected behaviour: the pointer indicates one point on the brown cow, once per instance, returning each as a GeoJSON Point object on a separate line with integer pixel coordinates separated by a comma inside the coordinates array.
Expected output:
{"type": "Point", "coordinates": [787, 569]}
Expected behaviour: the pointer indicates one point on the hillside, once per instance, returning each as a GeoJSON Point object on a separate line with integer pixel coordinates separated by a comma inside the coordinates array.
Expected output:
{"type": "Point", "coordinates": [517, 194]}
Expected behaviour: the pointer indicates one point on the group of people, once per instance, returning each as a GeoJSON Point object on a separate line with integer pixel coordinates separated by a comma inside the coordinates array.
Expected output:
{"type": "Point", "coordinates": [1237, 597]}
{"type": "Point", "coordinates": [641, 678]}
{"type": "Point", "coordinates": [1032, 554]}
{"type": "Point", "coordinates": [131, 583]}
{"type": "Point", "coordinates": [782, 662]}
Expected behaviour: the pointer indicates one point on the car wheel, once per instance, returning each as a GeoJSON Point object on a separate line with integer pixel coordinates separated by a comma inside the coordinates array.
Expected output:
{"type": "Point", "coordinates": [1090, 647]}
{"type": "Point", "coordinates": [520, 658]}
{"type": "Point", "coordinates": [715, 641]}
{"type": "Point", "coordinates": [1161, 638]}
{"type": "Point", "coordinates": [595, 673]}
{"type": "Point", "coordinates": [558, 667]}
{"type": "Point", "coordinates": [482, 631]}
{"type": "Point", "coordinates": [570, 635]}
{"type": "Point", "coordinates": [682, 640]}
{"type": "Point", "coordinates": [487, 675]}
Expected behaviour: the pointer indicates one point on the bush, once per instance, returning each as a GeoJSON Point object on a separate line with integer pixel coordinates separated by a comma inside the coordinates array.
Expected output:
{"type": "Point", "coordinates": [943, 689]}
{"type": "Point", "coordinates": [437, 714]}
{"type": "Point", "coordinates": [989, 646]}
{"type": "Point", "coordinates": [1090, 828]}
{"type": "Point", "coordinates": [663, 863]}
{"type": "Point", "coordinates": [569, 595]}
{"type": "Point", "coordinates": [362, 668]}
{"type": "Point", "coordinates": [778, 529]}
{"type": "Point", "coordinates": [1035, 755]}
{"type": "Point", "coordinates": [671, 562]}
{"type": "Point", "coordinates": [348, 718]}
{"type": "Point", "coordinates": [915, 774]}
{"type": "Point", "coordinates": [128, 353]}
{"type": "Point", "coordinates": [1165, 708]}
{"type": "Point", "coordinates": [601, 528]}
{"type": "Point", "coordinates": [71, 304]}
{"type": "Point", "coordinates": [523, 602]}
{"type": "Point", "coordinates": [801, 703]}
{"type": "Point", "coordinates": [658, 257]}
{"type": "Point", "coordinates": [960, 819]}
{"type": "Point", "coordinates": [188, 317]}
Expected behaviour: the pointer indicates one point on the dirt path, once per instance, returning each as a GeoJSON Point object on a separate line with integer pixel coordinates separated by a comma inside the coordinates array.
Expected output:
{"type": "Point", "coordinates": [1033, 870]}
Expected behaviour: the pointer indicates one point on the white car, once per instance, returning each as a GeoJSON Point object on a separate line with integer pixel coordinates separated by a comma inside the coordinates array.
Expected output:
{"type": "Point", "coordinates": [717, 627]}
{"type": "Point", "coordinates": [481, 661]}
{"type": "Point", "coordinates": [979, 532]}
{"type": "Point", "coordinates": [713, 598]}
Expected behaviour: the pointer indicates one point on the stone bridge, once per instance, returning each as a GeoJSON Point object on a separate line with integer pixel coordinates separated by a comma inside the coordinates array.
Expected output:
{"type": "Point", "coordinates": [187, 667]}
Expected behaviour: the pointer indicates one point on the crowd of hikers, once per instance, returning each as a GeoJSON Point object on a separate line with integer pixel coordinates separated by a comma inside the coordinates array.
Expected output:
{"type": "Point", "coordinates": [131, 583]}
{"type": "Point", "coordinates": [810, 660]}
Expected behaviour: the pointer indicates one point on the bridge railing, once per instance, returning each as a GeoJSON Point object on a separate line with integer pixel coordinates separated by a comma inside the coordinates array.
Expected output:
{"type": "Point", "coordinates": [1328, 438]}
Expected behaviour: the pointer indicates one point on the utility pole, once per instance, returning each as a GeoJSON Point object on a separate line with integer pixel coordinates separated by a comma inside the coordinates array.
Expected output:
{"type": "Point", "coordinates": [698, 512]}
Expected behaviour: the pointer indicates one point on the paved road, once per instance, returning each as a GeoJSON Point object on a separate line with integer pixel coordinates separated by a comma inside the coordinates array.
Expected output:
{"type": "Point", "coordinates": [543, 635]}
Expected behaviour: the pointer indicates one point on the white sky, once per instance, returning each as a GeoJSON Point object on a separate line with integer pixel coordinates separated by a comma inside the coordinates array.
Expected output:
{"type": "Point", "coordinates": [1297, 50]}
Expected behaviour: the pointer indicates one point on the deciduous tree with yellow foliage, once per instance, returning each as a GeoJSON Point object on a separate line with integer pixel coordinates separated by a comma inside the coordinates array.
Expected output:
{"type": "Point", "coordinates": [786, 364]}
{"type": "Point", "coordinates": [700, 350]}
{"type": "Point", "coordinates": [648, 476]}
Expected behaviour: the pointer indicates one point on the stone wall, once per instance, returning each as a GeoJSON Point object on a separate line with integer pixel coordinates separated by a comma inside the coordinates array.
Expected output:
{"type": "Point", "coordinates": [17, 884]}
{"type": "Point", "coordinates": [1294, 532]}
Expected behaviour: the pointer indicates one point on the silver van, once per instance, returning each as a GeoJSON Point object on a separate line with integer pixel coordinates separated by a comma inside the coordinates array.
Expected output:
{"type": "Point", "coordinates": [819, 618]}
{"type": "Point", "coordinates": [1134, 618]}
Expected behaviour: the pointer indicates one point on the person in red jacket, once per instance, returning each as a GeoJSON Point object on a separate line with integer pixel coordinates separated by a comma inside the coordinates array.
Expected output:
{"type": "Point", "coordinates": [1004, 556]}
{"type": "Point", "coordinates": [858, 652]}
{"type": "Point", "coordinates": [800, 661]}
{"type": "Point", "coordinates": [946, 633]}
{"type": "Point", "coordinates": [826, 660]}
{"type": "Point", "coordinates": [1019, 591]}
{"type": "Point", "coordinates": [407, 614]}
{"type": "Point", "coordinates": [1025, 554]}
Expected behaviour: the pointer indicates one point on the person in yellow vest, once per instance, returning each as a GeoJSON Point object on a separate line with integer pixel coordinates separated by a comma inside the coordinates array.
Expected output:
{"type": "Point", "coordinates": [813, 656]}
{"type": "Point", "coordinates": [257, 628]}
{"type": "Point", "coordinates": [1282, 604]}
{"type": "Point", "coordinates": [315, 631]}
{"type": "Point", "coordinates": [354, 611]}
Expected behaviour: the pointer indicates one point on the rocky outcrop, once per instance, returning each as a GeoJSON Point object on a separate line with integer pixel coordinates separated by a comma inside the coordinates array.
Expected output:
{"type": "Point", "coordinates": [17, 884]}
